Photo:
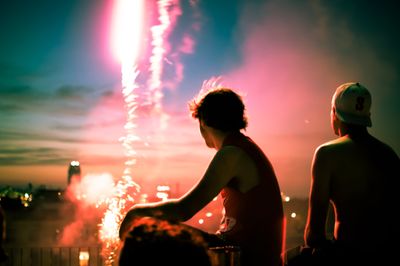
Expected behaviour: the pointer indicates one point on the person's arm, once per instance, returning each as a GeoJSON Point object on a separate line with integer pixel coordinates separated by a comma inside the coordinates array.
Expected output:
{"type": "Point", "coordinates": [220, 171]}
{"type": "Point", "coordinates": [319, 199]}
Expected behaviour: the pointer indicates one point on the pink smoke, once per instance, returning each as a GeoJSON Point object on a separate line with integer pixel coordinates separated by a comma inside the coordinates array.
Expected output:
{"type": "Point", "coordinates": [88, 197]}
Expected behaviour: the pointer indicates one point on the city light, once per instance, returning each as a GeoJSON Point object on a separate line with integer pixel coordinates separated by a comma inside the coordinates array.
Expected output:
{"type": "Point", "coordinates": [74, 163]}
{"type": "Point", "coordinates": [83, 258]}
{"type": "Point", "coordinates": [163, 188]}
{"type": "Point", "coordinates": [163, 192]}
{"type": "Point", "coordinates": [26, 199]}
{"type": "Point", "coordinates": [143, 198]}
{"type": "Point", "coordinates": [162, 195]}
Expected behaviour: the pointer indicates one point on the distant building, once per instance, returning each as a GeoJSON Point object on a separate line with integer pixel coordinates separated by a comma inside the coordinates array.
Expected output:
{"type": "Point", "coordinates": [74, 171]}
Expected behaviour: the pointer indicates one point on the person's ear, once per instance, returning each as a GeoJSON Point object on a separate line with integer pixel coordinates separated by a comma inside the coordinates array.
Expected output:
{"type": "Point", "coordinates": [333, 113]}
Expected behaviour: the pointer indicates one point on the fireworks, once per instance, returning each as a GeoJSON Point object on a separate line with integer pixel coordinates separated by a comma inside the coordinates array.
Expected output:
{"type": "Point", "coordinates": [127, 28]}
{"type": "Point", "coordinates": [126, 41]}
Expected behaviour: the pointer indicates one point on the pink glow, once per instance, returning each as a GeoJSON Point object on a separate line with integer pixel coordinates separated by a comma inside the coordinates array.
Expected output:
{"type": "Point", "coordinates": [187, 46]}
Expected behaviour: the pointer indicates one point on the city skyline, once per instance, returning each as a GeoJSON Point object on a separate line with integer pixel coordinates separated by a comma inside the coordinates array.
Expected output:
{"type": "Point", "coordinates": [61, 98]}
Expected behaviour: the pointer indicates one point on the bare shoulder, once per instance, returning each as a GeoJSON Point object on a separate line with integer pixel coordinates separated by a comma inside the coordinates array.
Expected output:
{"type": "Point", "coordinates": [332, 146]}
{"type": "Point", "coordinates": [225, 160]}
{"type": "Point", "coordinates": [230, 152]}
{"type": "Point", "coordinates": [240, 166]}
{"type": "Point", "coordinates": [325, 148]}
{"type": "Point", "coordinates": [228, 158]}
{"type": "Point", "coordinates": [330, 154]}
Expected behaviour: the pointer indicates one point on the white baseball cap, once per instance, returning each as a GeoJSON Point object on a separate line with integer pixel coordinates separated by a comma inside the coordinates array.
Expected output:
{"type": "Point", "coordinates": [352, 104]}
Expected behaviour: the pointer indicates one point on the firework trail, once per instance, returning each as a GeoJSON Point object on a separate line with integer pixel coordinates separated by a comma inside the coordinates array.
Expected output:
{"type": "Point", "coordinates": [168, 11]}
{"type": "Point", "coordinates": [128, 16]}
{"type": "Point", "coordinates": [158, 52]}
{"type": "Point", "coordinates": [127, 31]}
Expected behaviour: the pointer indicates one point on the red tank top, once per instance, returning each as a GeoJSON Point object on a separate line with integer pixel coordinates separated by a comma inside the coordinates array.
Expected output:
{"type": "Point", "coordinates": [254, 220]}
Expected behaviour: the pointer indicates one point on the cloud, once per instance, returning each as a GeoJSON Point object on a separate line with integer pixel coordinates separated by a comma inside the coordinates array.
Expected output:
{"type": "Point", "coordinates": [7, 136]}
{"type": "Point", "coordinates": [66, 100]}
{"type": "Point", "coordinates": [33, 156]}
{"type": "Point", "coordinates": [10, 108]}
{"type": "Point", "coordinates": [16, 91]}
{"type": "Point", "coordinates": [181, 42]}
{"type": "Point", "coordinates": [73, 93]}
{"type": "Point", "coordinates": [39, 117]}
{"type": "Point", "coordinates": [12, 73]}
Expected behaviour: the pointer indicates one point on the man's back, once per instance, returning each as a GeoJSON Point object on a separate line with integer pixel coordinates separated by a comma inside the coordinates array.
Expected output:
{"type": "Point", "coordinates": [363, 175]}
{"type": "Point", "coordinates": [359, 175]}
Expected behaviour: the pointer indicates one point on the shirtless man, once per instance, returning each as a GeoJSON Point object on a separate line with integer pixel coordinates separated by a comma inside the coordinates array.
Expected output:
{"type": "Point", "coordinates": [243, 175]}
{"type": "Point", "coordinates": [359, 175]}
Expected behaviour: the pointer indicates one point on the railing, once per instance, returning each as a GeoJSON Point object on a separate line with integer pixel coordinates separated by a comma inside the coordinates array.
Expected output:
{"type": "Point", "coordinates": [54, 256]}
{"type": "Point", "coordinates": [91, 256]}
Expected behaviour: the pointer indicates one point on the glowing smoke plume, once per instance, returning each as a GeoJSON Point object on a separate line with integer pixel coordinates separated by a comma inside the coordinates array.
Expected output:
{"type": "Point", "coordinates": [89, 195]}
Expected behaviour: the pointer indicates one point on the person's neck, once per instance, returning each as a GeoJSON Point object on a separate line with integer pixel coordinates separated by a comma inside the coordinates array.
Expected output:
{"type": "Point", "coordinates": [219, 137]}
{"type": "Point", "coordinates": [355, 131]}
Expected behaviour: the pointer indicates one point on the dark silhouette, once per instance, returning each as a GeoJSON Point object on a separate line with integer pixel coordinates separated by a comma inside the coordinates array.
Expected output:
{"type": "Point", "coordinates": [359, 175]}
{"type": "Point", "coordinates": [158, 242]}
{"type": "Point", "coordinates": [3, 255]}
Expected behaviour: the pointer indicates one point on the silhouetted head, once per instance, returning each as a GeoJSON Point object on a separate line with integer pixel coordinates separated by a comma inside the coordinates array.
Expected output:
{"type": "Point", "coordinates": [158, 242]}
{"type": "Point", "coordinates": [351, 106]}
{"type": "Point", "coordinates": [220, 108]}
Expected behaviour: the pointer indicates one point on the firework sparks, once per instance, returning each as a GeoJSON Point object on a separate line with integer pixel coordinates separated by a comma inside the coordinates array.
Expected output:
{"type": "Point", "coordinates": [126, 42]}
{"type": "Point", "coordinates": [167, 10]}
{"type": "Point", "coordinates": [158, 32]}
{"type": "Point", "coordinates": [128, 16]}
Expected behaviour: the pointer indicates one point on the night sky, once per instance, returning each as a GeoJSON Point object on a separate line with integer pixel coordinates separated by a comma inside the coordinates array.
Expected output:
{"type": "Point", "coordinates": [61, 99]}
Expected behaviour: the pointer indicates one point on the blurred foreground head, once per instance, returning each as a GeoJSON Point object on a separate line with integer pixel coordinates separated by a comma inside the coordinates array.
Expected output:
{"type": "Point", "coordinates": [159, 242]}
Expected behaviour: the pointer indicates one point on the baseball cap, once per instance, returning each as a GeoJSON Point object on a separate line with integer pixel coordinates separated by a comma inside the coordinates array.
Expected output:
{"type": "Point", "coordinates": [352, 103]}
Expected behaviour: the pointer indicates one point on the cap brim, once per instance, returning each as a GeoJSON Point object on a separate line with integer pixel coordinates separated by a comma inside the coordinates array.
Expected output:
{"type": "Point", "coordinates": [354, 119]}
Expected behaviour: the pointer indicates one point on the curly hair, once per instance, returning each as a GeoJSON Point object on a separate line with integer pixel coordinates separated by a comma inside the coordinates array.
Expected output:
{"type": "Point", "coordinates": [220, 108]}
{"type": "Point", "coordinates": [158, 242]}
